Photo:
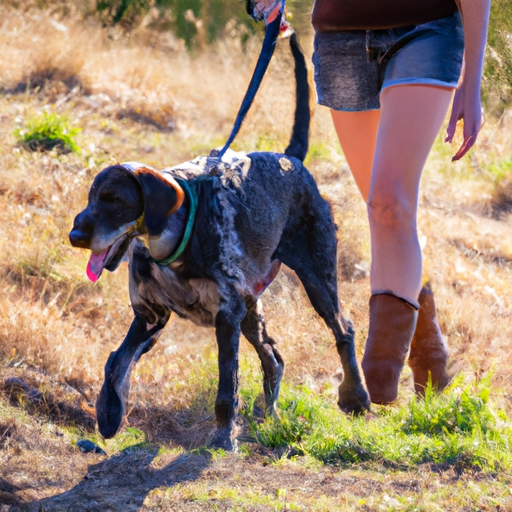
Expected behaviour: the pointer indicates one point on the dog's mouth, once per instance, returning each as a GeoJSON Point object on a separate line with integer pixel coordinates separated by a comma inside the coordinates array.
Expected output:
{"type": "Point", "coordinates": [109, 258]}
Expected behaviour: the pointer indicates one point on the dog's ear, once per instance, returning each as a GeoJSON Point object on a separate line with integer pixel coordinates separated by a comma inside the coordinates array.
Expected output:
{"type": "Point", "coordinates": [162, 197]}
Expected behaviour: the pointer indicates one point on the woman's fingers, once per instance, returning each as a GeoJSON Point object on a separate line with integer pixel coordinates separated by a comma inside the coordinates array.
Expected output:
{"type": "Point", "coordinates": [267, 10]}
{"type": "Point", "coordinates": [466, 146]}
{"type": "Point", "coordinates": [452, 126]}
{"type": "Point", "coordinates": [456, 114]}
{"type": "Point", "coordinates": [273, 14]}
{"type": "Point", "coordinates": [473, 123]}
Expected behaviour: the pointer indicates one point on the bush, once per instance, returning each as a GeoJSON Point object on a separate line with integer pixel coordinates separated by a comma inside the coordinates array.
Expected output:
{"type": "Point", "coordinates": [46, 132]}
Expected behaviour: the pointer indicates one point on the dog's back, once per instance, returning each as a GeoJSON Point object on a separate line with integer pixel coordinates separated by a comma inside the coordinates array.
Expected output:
{"type": "Point", "coordinates": [246, 204]}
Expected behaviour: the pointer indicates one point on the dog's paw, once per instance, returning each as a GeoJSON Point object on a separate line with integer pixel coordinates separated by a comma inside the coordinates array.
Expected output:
{"type": "Point", "coordinates": [354, 401]}
{"type": "Point", "coordinates": [109, 411]}
{"type": "Point", "coordinates": [225, 439]}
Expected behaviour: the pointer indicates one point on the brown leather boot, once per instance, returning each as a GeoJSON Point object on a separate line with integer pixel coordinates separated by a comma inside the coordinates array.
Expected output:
{"type": "Point", "coordinates": [392, 324]}
{"type": "Point", "coordinates": [429, 352]}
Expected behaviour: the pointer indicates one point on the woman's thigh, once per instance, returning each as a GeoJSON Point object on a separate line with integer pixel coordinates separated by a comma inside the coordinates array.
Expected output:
{"type": "Point", "coordinates": [410, 119]}
{"type": "Point", "coordinates": [357, 133]}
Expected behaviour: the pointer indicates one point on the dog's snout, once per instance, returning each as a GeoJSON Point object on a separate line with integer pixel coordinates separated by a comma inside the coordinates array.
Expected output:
{"type": "Point", "coordinates": [81, 234]}
{"type": "Point", "coordinates": [79, 239]}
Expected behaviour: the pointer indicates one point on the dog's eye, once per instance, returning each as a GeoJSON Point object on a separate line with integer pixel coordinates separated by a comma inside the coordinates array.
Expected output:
{"type": "Point", "coordinates": [107, 196]}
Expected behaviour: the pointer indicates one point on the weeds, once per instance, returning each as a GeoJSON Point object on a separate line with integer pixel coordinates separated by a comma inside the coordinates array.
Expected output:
{"type": "Point", "coordinates": [501, 199]}
{"type": "Point", "coordinates": [464, 410]}
{"type": "Point", "coordinates": [128, 439]}
{"type": "Point", "coordinates": [500, 169]}
{"type": "Point", "coordinates": [500, 173]}
{"type": "Point", "coordinates": [461, 425]}
{"type": "Point", "coordinates": [47, 132]}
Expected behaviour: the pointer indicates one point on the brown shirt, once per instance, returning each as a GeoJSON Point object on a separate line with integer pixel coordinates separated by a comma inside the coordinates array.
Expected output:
{"type": "Point", "coordinates": [335, 15]}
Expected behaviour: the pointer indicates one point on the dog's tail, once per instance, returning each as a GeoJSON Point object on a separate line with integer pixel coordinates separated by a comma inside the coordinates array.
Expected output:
{"type": "Point", "coordinates": [299, 142]}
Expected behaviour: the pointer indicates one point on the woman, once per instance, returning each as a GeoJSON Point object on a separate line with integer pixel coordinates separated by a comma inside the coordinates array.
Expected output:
{"type": "Point", "coordinates": [388, 69]}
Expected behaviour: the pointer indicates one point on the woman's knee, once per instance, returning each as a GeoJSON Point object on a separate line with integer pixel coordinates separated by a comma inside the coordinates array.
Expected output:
{"type": "Point", "coordinates": [391, 212]}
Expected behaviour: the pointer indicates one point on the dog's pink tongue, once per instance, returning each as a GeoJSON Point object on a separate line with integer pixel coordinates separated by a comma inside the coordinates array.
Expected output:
{"type": "Point", "coordinates": [95, 265]}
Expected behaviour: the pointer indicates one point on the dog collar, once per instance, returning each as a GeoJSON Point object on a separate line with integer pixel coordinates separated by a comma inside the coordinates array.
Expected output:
{"type": "Point", "coordinates": [188, 228]}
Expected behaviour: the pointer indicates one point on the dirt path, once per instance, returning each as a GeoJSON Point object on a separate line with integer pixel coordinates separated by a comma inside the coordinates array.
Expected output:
{"type": "Point", "coordinates": [42, 470]}
{"type": "Point", "coordinates": [141, 480]}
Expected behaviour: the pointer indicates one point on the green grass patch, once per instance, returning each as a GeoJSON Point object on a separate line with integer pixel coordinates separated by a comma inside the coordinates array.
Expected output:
{"type": "Point", "coordinates": [272, 142]}
{"type": "Point", "coordinates": [128, 439]}
{"type": "Point", "coordinates": [462, 426]}
{"type": "Point", "coordinates": [219, 497]}
{"type": "Point", "coordinates": [47, 132]}
{"type": "Point", "coordinates": [317, 151]}
{"type": "Point", "coordinates": [41, 263]}
{"type": "Point", "coordinates": [500, 169]}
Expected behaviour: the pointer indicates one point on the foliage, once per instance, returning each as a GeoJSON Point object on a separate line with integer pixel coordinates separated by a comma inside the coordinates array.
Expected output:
{"type": "Point", "coordinates": [498, 64]}
{"type": "Point", "coordinates": [48, 131]}
{"type": "Point", "coordinates": [197, 21]}
{"type": "Point", "coordinates": [127, 12]}
{"type": "Point", "coordinates": [460, 426]}
{"type": "Point", "coordinates": [214, 18]}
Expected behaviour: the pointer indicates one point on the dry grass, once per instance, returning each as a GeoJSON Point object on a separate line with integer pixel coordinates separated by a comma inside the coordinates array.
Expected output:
{"type": "Point", "coordinates": [144, 98]}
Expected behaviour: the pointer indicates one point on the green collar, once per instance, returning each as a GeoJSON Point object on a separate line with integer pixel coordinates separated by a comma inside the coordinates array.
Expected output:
{"type": "Point", "coordinates": [188, 228]}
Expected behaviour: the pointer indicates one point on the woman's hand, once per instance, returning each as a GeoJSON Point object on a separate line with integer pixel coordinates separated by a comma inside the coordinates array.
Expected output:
{"type": "Point", "coordinates": [467, 107]}
{"type": "Point", "coordinates": [269, 10]}
{"type": "Point", "coordinates": [467, 103]}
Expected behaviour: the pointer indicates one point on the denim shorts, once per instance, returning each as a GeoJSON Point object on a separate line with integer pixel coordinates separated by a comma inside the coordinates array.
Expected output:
{"type": "Point", "coordinates": [352, 67]}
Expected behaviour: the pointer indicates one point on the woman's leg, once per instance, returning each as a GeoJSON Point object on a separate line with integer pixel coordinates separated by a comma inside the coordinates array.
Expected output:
{"type": "Point", "coordinates": [410, 119]}
{"type": "Point", "coordinates": [357, 133]}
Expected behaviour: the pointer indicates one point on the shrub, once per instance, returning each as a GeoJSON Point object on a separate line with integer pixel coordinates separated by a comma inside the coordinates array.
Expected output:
{"type": "Point", "coordinates": [46, 132]}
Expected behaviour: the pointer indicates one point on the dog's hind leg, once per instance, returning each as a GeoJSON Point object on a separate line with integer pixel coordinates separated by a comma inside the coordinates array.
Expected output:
{"type": "Point", "coordinates": [253, 328]}
{"type": "Point", "coordinates": [227, 329]}
{"type": "Point", "coordinates": [113, 397]}
{"type": "Point", "coordinates": [311, 252]}
{"type": "Point", "coordinates": [353, 397]}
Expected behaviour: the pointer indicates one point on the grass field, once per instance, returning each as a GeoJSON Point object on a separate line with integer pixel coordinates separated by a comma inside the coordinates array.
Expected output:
{"type": "Point", "coordinates": [113, 97]}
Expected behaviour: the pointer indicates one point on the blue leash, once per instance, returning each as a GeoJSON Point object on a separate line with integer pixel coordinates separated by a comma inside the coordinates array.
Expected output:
{"type": "Point", "coordinates": [267, 50]}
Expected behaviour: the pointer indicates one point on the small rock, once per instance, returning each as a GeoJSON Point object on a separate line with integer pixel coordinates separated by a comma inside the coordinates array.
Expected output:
{"type": "Point", "coordinates": [86, 446]}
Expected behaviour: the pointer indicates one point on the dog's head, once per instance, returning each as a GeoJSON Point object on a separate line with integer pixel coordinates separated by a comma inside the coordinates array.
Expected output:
{"type": "Point", "coordinates": [123, 202]}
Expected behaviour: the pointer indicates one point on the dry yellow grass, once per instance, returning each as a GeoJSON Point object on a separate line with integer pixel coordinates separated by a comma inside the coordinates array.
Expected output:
{"type": "Point", "coordinates": [144, 98]}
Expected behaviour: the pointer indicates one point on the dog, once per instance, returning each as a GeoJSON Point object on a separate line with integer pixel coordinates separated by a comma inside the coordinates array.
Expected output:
{"type": "Point", "coordinates": [204, 240]}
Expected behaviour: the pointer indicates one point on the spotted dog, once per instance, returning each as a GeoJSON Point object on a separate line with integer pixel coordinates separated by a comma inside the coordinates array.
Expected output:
{"type": "Point", "coordinates": [204, 240]}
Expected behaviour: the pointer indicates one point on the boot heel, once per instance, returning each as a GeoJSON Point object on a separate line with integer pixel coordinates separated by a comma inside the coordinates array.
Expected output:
{"type": "Point", "coordinates": [429, 352]}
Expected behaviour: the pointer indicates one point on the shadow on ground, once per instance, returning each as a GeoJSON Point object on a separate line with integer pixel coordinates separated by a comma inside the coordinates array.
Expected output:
{"type": "Point", "coordinates": [122, 482]}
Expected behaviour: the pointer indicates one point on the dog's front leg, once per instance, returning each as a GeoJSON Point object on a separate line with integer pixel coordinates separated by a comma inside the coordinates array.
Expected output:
{"type": "Point", "coordinates": [227, 330]}
{"type": "Point", "coordinates": [113, 397]}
